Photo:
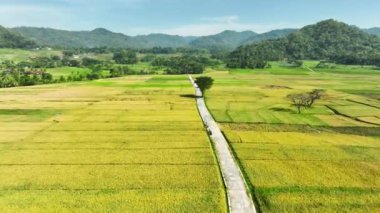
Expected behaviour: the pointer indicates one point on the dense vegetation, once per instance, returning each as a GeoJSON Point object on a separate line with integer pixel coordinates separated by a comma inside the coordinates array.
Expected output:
{"type": "Point", "coordinates": [97, 38]}
{"type": "Point", "coordinates": [13, 40]}
{"type": "Point", "coordinates": [227, 40]}
{"type": "Point", "coordinates": [224, 40]}
{"type": "Point", "coordinates": [327, 40]}
{"type": "Point", "coordinates": [274, 34]}
{"type": "Point", "coordinates": [186, 64]}
{"type": "Point", "coordinates": [88, 67]}
{"type": "Point", "coordinates": [373, 31]}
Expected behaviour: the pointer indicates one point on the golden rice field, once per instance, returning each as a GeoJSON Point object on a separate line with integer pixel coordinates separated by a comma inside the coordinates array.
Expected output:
{"type": "Point", "coordinates": [126, 145]}
{"type": "Point", "coordinates": [316, 161]}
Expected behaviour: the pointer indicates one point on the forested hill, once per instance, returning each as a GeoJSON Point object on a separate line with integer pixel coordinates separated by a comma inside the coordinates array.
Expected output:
{"type": "Point", "coordinates": [227, 39]}
{"type": "Point", "coordinates": [373, 31]}
{"type": "Point", "coordinates": [64, 38]}
{"type": "Point", "coordinates": [13, 40]}
{"type": "Point", "coordinates": [97, 38]}
{"type": "Point", "coordinates": [328, 39]}
{"type": "Point", "coordinates": [274, 34]}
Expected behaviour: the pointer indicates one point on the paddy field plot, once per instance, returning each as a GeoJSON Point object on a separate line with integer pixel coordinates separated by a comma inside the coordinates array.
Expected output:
{"type": "Point", "coordinates": [317, 161]}
{"type": "Point", "coordinates": [120, 145]}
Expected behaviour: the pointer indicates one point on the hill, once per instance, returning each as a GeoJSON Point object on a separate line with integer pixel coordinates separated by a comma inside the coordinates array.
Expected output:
{"type": "Point", "coordinates": [328, 39]}
{"type": "Point", "coordinates": [225, 40]}
{"type": "Point", "coordinates": [274, 34]}
{"type": "Point", "coordinates": [97, 38]}
{"type": "Point", "coordinates": [10, 39]}
{"type": "Point", "coordinates": [101, 37]}
{"type": "Point", "coordinates": [63, 38]}
{"type": "Point", "coordinates": [373, 31]}
{"type": "Point", "coordinates": [159, 40]}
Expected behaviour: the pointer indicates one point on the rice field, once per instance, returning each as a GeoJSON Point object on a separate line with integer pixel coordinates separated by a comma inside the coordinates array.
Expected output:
{"type": "Point", "coordinates": [317, 161]}
{"type": "Point", "coordinates": [133, 144]}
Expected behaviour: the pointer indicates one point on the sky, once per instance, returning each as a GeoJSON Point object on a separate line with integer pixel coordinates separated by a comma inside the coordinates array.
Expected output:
{"type": "Point", "coordinates": [185, 17]}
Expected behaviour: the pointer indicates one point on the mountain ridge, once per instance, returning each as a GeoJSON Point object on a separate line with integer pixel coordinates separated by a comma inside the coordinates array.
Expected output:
{"type": "Point", "coordinates": [101, 37]}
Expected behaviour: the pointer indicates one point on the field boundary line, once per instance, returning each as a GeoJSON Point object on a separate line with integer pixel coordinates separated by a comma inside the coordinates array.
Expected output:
{"type": "Point", "coordinates": [238, 196]}
{"type": "Point", "coordinates": [308, 68]}
{"type": "Point", "coordinates": [336, 112]}
{"type": "Point", "coordinates": [365, 104]}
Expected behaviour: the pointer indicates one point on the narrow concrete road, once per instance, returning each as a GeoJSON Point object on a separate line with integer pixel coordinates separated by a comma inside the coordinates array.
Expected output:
{"type": "Point", "coordinates": [239, 199]}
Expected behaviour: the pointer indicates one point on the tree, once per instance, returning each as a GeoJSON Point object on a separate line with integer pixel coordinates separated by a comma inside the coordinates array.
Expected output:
{"type": "Point", "coordinates": [204, 83]}
{"type": "Point", "coordinates": [315, 95]}
{"type": "Point", "coordinates": [46, 78]}
{"type": "Point", "coordinates": [62, 79]}
{"type": "Point", "coordinates": [88, 62]}
{"type": "Point", "coordinates": [182, 64]}
{"type": "Point", "coordinates": [299, 101]}
{"type": "Point", "coordinates": [305, 100]}
{"type": "Point", "coordinates": [7, 80]}
{"type": "Point", "coordinates": [96, 73]}
{"type": "Point", "coordinates": [125, 57]}
{"type": "Point", "coordinates": [68, 53]}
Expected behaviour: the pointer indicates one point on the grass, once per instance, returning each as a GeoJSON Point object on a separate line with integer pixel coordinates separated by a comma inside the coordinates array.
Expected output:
{"type": "Point", "coordinates": [67, 71]}
{"type": "Point", "coordinates": [18, 55]}
{"type": "Point", "coordinates": [126, 144]}
{"type": "Point", "coordinates": [317, 161]}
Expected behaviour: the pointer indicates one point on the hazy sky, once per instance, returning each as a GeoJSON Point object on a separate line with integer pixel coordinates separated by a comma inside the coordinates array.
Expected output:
{"type": "Point", "coordinates": [185, 17]}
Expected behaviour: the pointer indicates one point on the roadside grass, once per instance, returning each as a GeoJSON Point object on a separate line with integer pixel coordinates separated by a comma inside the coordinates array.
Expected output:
{"type": "Point", "coordinates": [125, 144]}
{"type": "Point", "coordinates": [316, 161]}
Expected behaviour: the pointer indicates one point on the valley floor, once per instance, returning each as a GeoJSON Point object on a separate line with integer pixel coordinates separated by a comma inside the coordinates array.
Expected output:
{"type": "Point", "coordinates": [125, 145]}
{"type": "Point", "coordinates": [316, 161]}
{"type": "Point", "coordinates": [138, 144]}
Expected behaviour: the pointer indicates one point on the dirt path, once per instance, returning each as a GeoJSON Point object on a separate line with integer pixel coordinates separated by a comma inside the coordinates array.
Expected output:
{"type": "Point", "coordinates": [239, 199]}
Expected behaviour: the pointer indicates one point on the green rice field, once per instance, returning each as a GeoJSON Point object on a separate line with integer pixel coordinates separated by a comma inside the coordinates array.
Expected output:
{"type": "Point", "coordinates": [126, 145]}
{"type": "Point", "coordinates": [316, 161]}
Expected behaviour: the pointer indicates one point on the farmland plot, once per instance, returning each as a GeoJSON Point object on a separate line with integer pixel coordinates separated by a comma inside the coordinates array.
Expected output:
{"type": "Point", "coordinates": [316, 161]}
{"type": "Point", "coordinates": [128, 144]}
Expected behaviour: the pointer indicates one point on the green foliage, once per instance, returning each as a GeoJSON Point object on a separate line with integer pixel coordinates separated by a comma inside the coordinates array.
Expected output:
{"type": "Point", "coordinates": [120, 71]}
{"type": "Point", "coordinates": [224, 40]}
{"type": "Point", "coordinates": [125, 57]}
{"type": "Point", "coordinates": [182, 64]}
{"type": "Point", "coordinates": [373, 31]}
{"type": "Point", "coordinates": [45, 62]}
{"type": "Point", "coordinates": [98, 38]}
{"type": "Point", "coordinates": [88, 62]}
{"type": "Point", "coordinates": [7, 80]}
{"type": "Point", "coordinates": [274, 34]}
{"type": "Point", "coordinates": [325, 40]}
{"type": "Point", "coordinates": [13, 40]}
{"type": "Point", "coordinates": [204, 83]}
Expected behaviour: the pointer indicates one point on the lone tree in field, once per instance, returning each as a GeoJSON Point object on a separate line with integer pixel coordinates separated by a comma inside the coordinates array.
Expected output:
{"type": "Point", "coordinates": [204, 83]}
{"type": "Point", "coordinates": [315, 95]}
{"type": "Point", "coordinates": [305, 100]}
